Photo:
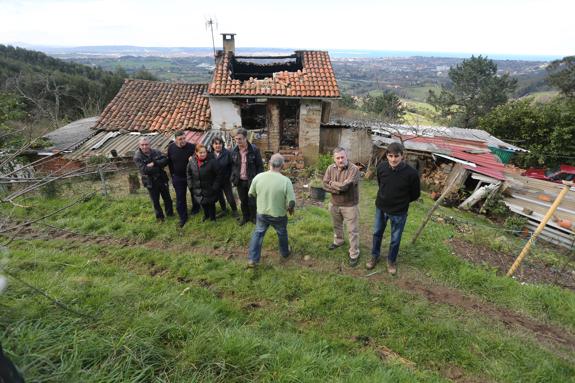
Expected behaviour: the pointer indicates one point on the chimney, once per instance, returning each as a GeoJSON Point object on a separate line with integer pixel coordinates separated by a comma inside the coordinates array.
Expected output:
{"type": "Point", "coordinates": [229, 42]}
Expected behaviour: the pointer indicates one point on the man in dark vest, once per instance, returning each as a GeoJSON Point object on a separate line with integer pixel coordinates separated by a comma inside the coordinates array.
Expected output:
{"type": "Point", "coordinates": [398, 186]}
{"type": "Point", "coordinates": [179, 153]}
{"type": "Point", "coordinates": [151, 164]}
{"type": "Point", "coordinates": [246, 164]}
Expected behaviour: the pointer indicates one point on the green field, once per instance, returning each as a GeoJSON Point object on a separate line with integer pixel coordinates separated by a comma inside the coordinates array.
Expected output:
{"type": "Point", "coordinates": [151, 303]}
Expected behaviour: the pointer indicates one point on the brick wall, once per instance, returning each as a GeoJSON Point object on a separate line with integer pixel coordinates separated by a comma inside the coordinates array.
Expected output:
{"type": "Point", "coordinates": [273, 124]}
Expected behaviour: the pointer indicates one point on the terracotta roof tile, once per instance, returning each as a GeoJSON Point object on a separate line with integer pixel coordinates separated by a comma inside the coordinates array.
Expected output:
{"type": "Point", "coordinates": [143, 105]}
{"type": "Point", "coordinates": [316, 79]}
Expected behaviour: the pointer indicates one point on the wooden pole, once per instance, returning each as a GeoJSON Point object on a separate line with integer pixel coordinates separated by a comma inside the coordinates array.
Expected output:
{"type": "Point", "coordinates": [447, 190]}
{"type": "Point", "coordinates": [103, 179]}
{"type": "Point", "coordinates": [550, 212]}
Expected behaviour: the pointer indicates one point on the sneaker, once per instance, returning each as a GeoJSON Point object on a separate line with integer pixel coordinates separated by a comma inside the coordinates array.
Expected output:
{"type": "Point", "coordinates": [243, 221]}
{"type": "Point", "coordinates": [182, 223]}
{"type": "Point", "coordinates": [391, 268]}
{"type": "Point", "coordinates": [251, 264]}
{"type": "Point", "coordinates": [333, 246]}
{"type": "Point", "coordinates": [353, 261]}
{"type": "Point", "coordinates": [371, 263]}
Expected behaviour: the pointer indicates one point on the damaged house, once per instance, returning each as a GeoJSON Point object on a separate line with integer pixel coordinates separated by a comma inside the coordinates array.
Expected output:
{"type": "Point", "coordinates": [281, 100]}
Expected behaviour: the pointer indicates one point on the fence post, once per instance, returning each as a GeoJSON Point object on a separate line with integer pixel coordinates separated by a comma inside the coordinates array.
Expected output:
{"type": "Point", "coordinates": [454, 181]}
{"type": "Point", "coordinates": [554, 206]}
{"type": "Point", "coordinates": [104, 185]}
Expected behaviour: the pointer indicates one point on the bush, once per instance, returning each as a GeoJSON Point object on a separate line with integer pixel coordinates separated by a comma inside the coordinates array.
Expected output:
{"type": "Point", "coordinates": [323, 161]}
{"type": "Point", "coordinates": [516, 223]}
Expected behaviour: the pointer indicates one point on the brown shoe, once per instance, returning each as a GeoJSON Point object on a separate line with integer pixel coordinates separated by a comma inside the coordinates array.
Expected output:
{"type": "Point", "coordinates": [391, 268]}
{"type": "Point", "coordinates": [371, 263]}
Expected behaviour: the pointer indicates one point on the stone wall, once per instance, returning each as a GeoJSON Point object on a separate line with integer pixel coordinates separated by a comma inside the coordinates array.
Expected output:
{"type": "Point", "coordinates": [309, 130]}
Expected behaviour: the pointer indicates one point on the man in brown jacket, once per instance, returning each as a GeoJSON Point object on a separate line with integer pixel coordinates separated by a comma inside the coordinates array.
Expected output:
{"type": "Point", "coordinates": [341, 179]}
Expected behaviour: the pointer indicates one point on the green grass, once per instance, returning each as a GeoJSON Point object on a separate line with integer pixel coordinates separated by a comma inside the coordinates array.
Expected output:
{"type": "Point", "coordinates": [420, 93]}
{"type": "Point", "coordinates": [180, 305]}
{"type": "Point", "coordinates": [419, 113]}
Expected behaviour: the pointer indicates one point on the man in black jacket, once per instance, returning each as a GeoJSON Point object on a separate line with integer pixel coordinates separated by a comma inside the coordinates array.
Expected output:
{"type": "Point", "coordinates": [398, 186]}
{"type": "Point", "coordinates": [179, 153]}
{"type": "Point", "coordinates": [151, 163]}
{"type": "Point", "coordinates": [246, 164]}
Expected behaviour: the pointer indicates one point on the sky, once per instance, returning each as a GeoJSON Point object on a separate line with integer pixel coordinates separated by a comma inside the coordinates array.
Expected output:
{"type": "Point", "coordinates": [531, 27]}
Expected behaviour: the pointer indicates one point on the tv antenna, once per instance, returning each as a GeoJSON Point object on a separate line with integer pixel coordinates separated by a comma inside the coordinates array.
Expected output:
{"type": "Point", "coordinates": [210, 22]}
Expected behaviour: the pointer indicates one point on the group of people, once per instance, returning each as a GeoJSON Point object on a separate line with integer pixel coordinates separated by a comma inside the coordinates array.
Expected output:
{"type": "Point", "coordinates": [266, 198]}
{"type": "Point", "coordinates": [207, 175]}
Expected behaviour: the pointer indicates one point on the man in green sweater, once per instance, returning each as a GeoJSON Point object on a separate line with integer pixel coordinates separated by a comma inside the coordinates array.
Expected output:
{"type": "Point", "coordinates": [275, 198]}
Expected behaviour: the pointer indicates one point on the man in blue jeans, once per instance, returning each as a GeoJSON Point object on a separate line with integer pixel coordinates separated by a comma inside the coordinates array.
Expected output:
{"type": "Point", "coordinates": [275, 198]}
{"type": "Point", "coordinates": [398, 186]}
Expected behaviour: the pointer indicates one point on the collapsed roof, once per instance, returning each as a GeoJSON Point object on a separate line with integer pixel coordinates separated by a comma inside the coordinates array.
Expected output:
{"type": "Point", "coordinates": [305, 74]}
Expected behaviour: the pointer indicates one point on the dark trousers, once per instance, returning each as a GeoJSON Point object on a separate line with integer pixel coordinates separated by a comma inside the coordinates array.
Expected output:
{"type": "Point", "coordinates": [248, 204]}
{"type": "Point", "coordinates": [227, 193]}
{"type": "Point", "coordinates": [161, 189]}
{"type": "Point", "coordinates": [209, 211]}
{"type": "Point", "coordinates": [181, 188]}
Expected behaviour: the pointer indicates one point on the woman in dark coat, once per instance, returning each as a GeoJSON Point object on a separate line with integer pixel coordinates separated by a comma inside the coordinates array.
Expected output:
{"type": "Point", "coordinates": [224, 160]}
{"type": "Point", "coordinates": [204, 179]}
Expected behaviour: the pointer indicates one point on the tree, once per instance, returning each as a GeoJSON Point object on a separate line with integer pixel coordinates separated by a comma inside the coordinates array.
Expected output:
{"type": "Point", "coordinates": [546, 130]}
{"type": "Point", "coordinates": [474, 91]}
{"type": "Point", "coordinates": [347, 101]}
{"type": "Point", "coordinates": [11, 109]}
{"type": "Point", "coordinates": [562, 75]}
{"type": "Point", "coordinates": [143, 74]}
{"type": "Point", "coordinates": [387, 106]}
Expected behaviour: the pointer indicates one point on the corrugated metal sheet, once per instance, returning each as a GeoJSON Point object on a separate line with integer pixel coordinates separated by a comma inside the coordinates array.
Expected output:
{"type": "Point", "coordinates": [388, 130]}
{"type": "Point", "coordinates": [69, 137]}
{"type": "Point", "coordinates": [475, 152]}
{"type": "Point", "coordinates": [125, 144]}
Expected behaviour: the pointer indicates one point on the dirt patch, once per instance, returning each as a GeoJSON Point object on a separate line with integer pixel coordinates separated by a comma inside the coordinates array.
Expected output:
{"type": "Point", "coordinates": [510, 319]}
{"type": "Point", "coordinates": [531, 270]}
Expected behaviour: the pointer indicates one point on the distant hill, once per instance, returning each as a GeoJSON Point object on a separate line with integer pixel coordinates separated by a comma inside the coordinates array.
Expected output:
{"type": "Point", "coordinates": [56, 89]}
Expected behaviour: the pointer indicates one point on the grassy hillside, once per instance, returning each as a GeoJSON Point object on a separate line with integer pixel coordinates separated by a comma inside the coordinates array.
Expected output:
{"type": "Point", "coordinates": [155, 303]}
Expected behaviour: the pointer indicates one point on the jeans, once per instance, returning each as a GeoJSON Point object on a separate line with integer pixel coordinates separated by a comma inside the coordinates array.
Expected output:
{"type": "Point", "coordinates": [263, 221]}
{"type": "Point", "coordinates": [248, 204]}
{"type": "Point", "coordinates": [161, 189]}
{"type": "Point", "coordinates": [397, 225]}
